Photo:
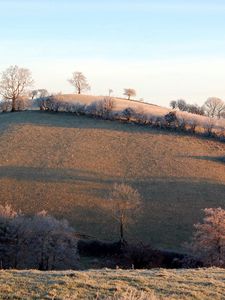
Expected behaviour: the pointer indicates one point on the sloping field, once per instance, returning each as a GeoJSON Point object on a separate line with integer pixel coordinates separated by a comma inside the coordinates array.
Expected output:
{"type": "Point", "coordinates": [202, 284]}
{"type": "Point", "coordinates": [67, 165]}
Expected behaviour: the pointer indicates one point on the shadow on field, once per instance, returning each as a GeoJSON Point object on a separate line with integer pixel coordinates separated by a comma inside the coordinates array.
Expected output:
{"type": "Point", "coordinates": [57, 175]}
{"type": "Point", "coordinates": [52, 175]}
{"type": "Point", "coordinates": [219, 159]}
{"type": "Point", "coordinates": [170, 205]}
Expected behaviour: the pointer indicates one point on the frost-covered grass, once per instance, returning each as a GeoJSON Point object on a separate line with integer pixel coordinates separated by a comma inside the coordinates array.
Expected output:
{"type": "Point", "coordinates": [153, 284]}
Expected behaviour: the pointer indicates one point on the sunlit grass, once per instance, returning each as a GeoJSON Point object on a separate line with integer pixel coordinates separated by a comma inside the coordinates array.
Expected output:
{"type": "Point", "coordinates": [153, 284]}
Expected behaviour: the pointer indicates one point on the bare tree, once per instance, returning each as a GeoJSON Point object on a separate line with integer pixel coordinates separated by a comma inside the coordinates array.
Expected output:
{"type": "Point", "coordinates": [79, 81]}
{"type": "Point", "coordinates": [195, 109]}
{"type": "Point", "coordinates": [129, 93]}
{"type": "Point", "coordinates": [14, 82]}
{"type": "Point", "coordinates": [214, 107]}
{"type": "Point", "coordinates": [39, 93]}
{"type": "Point", "coordinates": [209, 238]}
{"type": "Point", "coordinates": [173, 104]}
{"type": "Point", "coordinates": [123, 204]}
{"type": "Point", "coordinates": [110, 92]}
{"type": "Point", "coordinates": [182, 105]}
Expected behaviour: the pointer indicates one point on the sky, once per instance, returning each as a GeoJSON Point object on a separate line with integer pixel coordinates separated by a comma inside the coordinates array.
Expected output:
{"type": "Point", "coordinates": [165, 49]}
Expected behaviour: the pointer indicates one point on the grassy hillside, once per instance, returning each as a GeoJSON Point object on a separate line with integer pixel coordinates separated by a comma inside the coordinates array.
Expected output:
{"type": "Point", "coordinates": [67, 165]}
{"type": "Point", "coordinates": [204, 284]}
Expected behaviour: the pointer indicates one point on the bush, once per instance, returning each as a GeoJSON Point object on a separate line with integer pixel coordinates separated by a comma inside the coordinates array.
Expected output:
{"type": "Point", "coordinates": [141, 117]}
{"type": "Point", "coordinates": [208, 127]}
{"type": "Point", "coordinates": [5, 105]}
{"type": "Point", "coordinates": [102, 108]}
{"type": "Point", "coordinates": [75, 108]}
{"type": "Point", "coordinates": [36, 242]}
{"type": "Point", "coordinates": [42, 103]}
{"type": "Point", "coordinates": [171, 119]}
{"type": "Point", "coordinates": [128, 114]}
{"type": "Point", "coordinates": [20, 104]}
{"type": "Point", "coordinates": [49, 103]}
{"type": "Point", "coordinates": [208, 242]}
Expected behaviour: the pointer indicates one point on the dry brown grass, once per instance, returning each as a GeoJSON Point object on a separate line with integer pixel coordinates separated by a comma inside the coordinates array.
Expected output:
{"type": "Point", "coordinates": [67, 165]}
{"type": "Point", "coordinates": [202, 284]}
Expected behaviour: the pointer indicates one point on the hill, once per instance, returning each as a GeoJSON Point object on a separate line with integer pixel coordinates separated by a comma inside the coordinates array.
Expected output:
{"type": "Point", "coordinates": [152, 111]}
{"type": "Point", "coordinates": [204, 284]}
{"type": "Point", "coordinates": [67, 165]}
{"type": "Point", "coordinates": [119, 103]}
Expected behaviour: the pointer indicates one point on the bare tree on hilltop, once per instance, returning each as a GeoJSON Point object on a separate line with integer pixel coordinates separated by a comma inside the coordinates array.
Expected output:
{"type": "Point", "coordinates": [182, 105]}
{"type": "Point", "coordinates": [110, 92]}
{"type": "Point", "coordinates": [39, 93]}
{"type": "Point", "coordinates": [129, 93]}
{"type": "Point", "coordinates": [214, 107]}
{"type": "Point", "coordinates": [13, 84]}
{"type": "Point", "coordinates": [79, 81]}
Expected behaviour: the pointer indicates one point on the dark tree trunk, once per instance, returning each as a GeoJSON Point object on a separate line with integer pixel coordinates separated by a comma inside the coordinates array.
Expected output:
{"type": "Point", "coordinates": [121, 231]}
{"type": "Point", "coordinates": [13, 104]}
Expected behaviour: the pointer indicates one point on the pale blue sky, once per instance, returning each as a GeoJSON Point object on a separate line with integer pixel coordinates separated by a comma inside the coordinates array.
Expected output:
{"type": "Point", "coordinates": [164, 49]}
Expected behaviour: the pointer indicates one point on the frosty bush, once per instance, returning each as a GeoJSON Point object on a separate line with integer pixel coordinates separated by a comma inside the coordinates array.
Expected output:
{"type": "Point", "coordinates": [209, 238]}
{"type": "Point", "coordinates": [38, 242]}
{"type": "Point", "coordinates": [102, 108]}
{"type": "Point", "coordinates": [128, 114]}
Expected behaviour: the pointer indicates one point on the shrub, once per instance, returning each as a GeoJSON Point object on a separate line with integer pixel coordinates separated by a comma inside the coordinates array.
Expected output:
{"type": "Point", "coordinates": [182, 123]}
{"type": "Point", "coordinates": [42, 103]}
{"type": "Point", "coordinates": [141, 117]}
{"type": "Point", "coordinates": [193, 125]}
{"type": "Point", "coordinates": [128, 114]}
{"type": "Point", "coordinates": [208, 242]}
{"type": "Point", "coordinates": [102, 108]}
{"type": "Point", "coordinates": [171, 119]}
{"type": "Point", "coordinates": [208, 127]}
{"type": "Point", "coordinates": [75, 108]}
{"type": "Point", "coordinates": [50, 103]}
{"type": "Point", "coordinates": [5, 105]}
{"type": "Point", "coordinates": [22, 104]}
{"type": "Point", "coordinates": [39, 242]}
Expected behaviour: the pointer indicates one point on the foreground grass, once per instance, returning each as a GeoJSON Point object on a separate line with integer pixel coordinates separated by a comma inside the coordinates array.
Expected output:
{"type": "Point", "coordinates": [164, 284]}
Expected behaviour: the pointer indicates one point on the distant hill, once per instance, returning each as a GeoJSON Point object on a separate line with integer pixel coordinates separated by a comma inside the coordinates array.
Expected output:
{"type": "Point", "coordinates": [147, 108]}
{"type": "Point", "coordinates": [120, 103]}
{"type": "Point", "coordinates": [67, 165]}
